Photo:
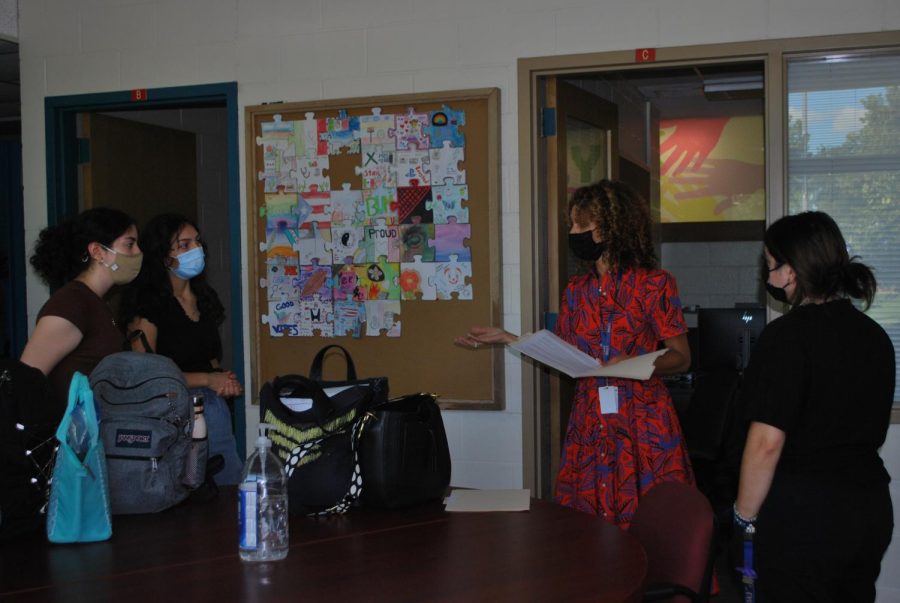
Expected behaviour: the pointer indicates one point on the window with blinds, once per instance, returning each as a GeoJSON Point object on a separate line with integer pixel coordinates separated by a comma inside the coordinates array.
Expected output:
{"type": "Point", "coordinates": [844, 159]}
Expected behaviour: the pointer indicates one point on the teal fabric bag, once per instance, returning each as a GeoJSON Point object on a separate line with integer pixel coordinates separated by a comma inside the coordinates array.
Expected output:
{"type": "Point", "coordinates": [79, 495]}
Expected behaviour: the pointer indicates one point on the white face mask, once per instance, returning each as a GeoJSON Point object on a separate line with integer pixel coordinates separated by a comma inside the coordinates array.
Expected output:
{"type": "Point", "coordinates": [125, 268]}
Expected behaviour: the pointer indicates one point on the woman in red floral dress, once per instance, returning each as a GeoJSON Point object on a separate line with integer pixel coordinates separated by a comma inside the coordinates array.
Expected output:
{"type": "Point", "coordinates": [623, 306]}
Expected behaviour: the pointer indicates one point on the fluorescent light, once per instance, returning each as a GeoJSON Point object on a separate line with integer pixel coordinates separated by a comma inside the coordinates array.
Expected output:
{"type": "Point", "coordinates": [750, 82]}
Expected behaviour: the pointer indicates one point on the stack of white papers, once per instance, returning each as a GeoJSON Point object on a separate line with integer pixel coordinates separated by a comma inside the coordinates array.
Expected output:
{"type": "Point", "coordinates": [547, 348]}
{"type": "Point", "coordinates": [488, 500]}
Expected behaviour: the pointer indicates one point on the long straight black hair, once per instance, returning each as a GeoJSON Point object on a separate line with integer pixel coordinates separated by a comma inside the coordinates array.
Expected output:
{"type": "Point", "coordinates": [812, 244]}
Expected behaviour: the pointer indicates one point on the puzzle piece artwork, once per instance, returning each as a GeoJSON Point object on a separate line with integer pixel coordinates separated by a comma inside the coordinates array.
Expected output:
{"type": "Point", "coordinates": [378, 280]}
{"type": "Point", "coordinates": [283, 318]}
{"type": "Point", "coordinates": [316, 317]}
{"type": "Point", "coordinates": [414, 242]}
{"type": "Point", "coordinates": [319, 204]}
{"type": "Point", "coordinates": [443, 165]}
{"type": "Point", "coordinates": [341, 132]}
{"type": "Point", "coordinates": [381, 204]}
{"type": "Point", "coordinates": [346, 245]}
{"type": "Point", "coordinates": [275, 130]}
{"type": "Point", "coordinates": [346, 284]}
{"type": "Point", "coordinates": [381, 240]}
{"type": "Point", "coordinates": [377, 129]}
{"type": "Point", "coordinates": [339, 263]}
{"type": "Point", "coordinates": [412, 168]}
{"type": "Point", "coordinates": [315, 282]}
{"type": "Point", "coordinates": [444, 125]}
{"type": "Point", "coordinates": [450, 278]}
{"type": "Point", "coordinates": [277, 174]}
{"type": "Point", "coordinates": [280, 242]}
{"type": "Point", "coordinates": [314, 244]}
{"type": "Point", "coordinates": [447, 203]}
{"type": "Point", "coordinates": [280, 204]}
{"type": "Point", "coordinates": [416, 280]}
{"type": "Point", "coordinates": [414, 205]}
{"type": "Point", "coordinates": [383, 315]}
{"type": "Point", "coordinates": [282, 278]}
{"type": "Point", "coordinates": [449, 242]}
{"type": "Point", "coordinates": [410, 130]}
{"type": "Point", "coordinates": [311, 174]}
{"type": "Point", "coordinates": [307, 137]}
{"type": "Point", "coordinates": [379, 168]}
{"type": "Point", "coordinates": [349, 317]}
{"type": "Point", "coordinates": [347, 207]}
{"type": "Point", "coordinates": [277, 141]}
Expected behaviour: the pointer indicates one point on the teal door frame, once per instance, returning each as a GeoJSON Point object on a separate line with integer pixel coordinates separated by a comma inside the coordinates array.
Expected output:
{"type": "Point", "coordinates": [62, 176]}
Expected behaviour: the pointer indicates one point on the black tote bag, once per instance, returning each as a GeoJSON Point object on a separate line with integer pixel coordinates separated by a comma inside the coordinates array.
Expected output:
{"type": "Point", "coordinates": [404, 456]}
{"type": "Point", "coordinates": [316, 432]}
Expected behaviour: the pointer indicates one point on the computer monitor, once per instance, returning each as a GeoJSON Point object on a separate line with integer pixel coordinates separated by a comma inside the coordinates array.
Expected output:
{"type": "Point", "coordinates": [727, 336]}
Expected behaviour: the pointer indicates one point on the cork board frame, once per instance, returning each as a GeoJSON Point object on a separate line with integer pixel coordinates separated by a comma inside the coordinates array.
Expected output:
{"type": "Point", "coordinates": [423, 358]}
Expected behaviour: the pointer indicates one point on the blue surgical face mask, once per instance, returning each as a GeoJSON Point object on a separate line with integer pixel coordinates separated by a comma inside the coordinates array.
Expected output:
{"type": "Point", "coordinates": [190, 264]}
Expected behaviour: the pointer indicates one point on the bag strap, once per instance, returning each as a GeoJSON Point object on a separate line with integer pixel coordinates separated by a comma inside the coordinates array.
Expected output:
{"type": "Point", "coordinates": [315, 370]}
{"type": "Point", "coordinates": [139, 334]}
{"type": "Point", "coordinates": [322, 407]}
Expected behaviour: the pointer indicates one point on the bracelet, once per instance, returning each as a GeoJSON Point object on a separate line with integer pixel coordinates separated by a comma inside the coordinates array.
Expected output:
{"type": "Point", "coordinates": [743, 522]}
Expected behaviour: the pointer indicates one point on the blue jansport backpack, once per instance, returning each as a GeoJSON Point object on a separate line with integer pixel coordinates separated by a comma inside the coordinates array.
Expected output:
{"type": "Point", "coordinates": [146, 421]}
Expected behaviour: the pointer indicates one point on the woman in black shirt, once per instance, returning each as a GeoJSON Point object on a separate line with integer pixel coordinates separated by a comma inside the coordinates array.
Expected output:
{"type": "Point", "coordinates": [818, 390]}
{"type": "Point", "coordinates": [179, 315]}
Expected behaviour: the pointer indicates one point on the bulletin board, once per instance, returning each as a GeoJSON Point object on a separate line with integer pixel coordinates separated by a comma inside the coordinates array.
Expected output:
{"type": "Point", "coordinates": [414, 349]}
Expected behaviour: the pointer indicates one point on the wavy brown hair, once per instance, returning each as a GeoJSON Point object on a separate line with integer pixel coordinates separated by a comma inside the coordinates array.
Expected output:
{"type": "Point", "coordinates": [623, 218]}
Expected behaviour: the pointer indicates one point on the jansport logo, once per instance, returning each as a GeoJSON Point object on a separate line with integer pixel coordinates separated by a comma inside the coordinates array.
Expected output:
{"type": "Point", "coordinates": [133, 438]}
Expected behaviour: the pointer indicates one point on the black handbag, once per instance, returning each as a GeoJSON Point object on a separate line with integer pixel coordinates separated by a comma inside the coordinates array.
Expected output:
{"type": "Point", "coordinates": [319, 445]}
{"type": "Point", "coordinates": [404, 456]}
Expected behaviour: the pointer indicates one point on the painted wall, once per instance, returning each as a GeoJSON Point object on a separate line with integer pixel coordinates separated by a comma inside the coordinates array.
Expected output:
{"type": "Point", "coordinates": [295, 50]}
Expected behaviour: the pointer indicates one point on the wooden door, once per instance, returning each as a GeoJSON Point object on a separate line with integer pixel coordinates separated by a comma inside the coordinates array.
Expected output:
{"type": "Point", "coordinates": [581, 148]}
{"type": "Point", "coordinates": [141, 169]}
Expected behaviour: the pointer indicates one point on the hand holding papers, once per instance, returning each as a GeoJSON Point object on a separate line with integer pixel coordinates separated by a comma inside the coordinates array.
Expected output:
{"type": "Point", "coordinates": [547, 348]}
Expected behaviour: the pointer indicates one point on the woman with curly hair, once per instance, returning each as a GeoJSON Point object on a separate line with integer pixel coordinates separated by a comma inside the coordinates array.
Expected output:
{"type": "Point", "coordinates": [623, 435]}
{"type": "Point", "coordinates": [82, 258]}
{"type": "Point", "coordinates": [178, 315]}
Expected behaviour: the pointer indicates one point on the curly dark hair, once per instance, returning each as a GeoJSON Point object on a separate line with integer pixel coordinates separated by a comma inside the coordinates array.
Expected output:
{"type": "Point", "coordinates": [152, 287]}
{"type": "Point", "coordinates": [60, 252]}
{"type": "Point", "coordinates": [623, 217]}
{"type": "Point", "coordinates": [812, 244]}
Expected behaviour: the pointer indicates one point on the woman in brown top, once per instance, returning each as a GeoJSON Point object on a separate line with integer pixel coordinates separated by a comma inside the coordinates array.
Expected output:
{"type": "Point", "coordinates": [82, 258]}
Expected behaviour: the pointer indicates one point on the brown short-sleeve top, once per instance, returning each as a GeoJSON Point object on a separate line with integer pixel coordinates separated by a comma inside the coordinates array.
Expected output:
{"type": "Point", "coordinates": [78, 304]}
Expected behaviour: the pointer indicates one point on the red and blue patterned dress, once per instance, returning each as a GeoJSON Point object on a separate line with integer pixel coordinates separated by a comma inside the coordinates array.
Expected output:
{"type": "Point", "coordinates": [610, 460]}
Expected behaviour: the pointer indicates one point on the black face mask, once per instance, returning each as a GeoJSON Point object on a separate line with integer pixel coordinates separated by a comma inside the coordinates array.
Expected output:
{"type": "Point", "coordinates": [584, 247]}
{"type": "Point", "coordinates": [777, 293]}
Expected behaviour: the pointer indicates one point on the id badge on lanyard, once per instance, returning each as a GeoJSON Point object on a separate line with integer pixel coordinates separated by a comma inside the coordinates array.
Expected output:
{"type": "Point", "coordinates": [609, 394]}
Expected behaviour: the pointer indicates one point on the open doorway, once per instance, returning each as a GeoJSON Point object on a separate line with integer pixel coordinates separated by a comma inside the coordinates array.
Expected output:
{"type": "Point", "coordinates": [689, 138]}
{"type": "Point", "coordinates": [172, 149]}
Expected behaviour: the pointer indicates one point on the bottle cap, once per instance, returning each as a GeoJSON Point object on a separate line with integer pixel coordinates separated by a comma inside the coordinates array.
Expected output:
{"type": "Point", "coordinates": [262, 441]}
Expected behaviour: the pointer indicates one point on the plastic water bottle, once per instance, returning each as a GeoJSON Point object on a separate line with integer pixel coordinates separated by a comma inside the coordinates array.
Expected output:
{"type": "Point", "coordinates": [263, 505]}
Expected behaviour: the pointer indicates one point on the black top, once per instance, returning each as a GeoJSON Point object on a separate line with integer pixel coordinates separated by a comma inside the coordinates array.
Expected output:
{"type": "Point", "coordinates": [824, 374]}
{"type": "Point", "coordinates": [193, 345]}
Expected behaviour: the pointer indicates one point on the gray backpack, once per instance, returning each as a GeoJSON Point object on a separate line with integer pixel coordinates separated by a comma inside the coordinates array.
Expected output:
{"type": "Point", "coordinates": [146, 422]}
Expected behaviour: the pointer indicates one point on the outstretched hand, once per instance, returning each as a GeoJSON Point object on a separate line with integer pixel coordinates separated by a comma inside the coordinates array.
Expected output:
{"type": "Point", "coordinates": [484, 336]}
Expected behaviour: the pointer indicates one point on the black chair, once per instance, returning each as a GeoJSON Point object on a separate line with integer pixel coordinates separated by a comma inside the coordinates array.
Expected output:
{"type": "Point", "coordinates": [675, 524]}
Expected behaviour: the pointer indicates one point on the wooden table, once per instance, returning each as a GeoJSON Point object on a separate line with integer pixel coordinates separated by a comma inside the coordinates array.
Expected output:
{"type": "Point", "coordinates": [424, 554]}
